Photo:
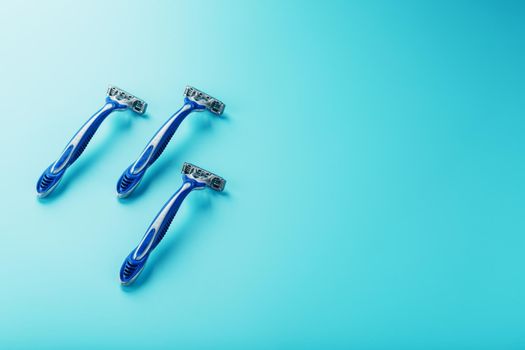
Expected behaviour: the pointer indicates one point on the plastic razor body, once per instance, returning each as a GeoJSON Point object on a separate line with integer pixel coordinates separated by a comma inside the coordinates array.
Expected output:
{"type": "Point", "coordinates": [116, 100]}
{"type": "Point", "coordinates": [194, 100]}
{"type": "Point", "coordinates": [193, 178]}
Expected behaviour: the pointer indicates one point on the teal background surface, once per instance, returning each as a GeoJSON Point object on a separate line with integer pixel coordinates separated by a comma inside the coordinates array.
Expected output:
{"type": "Point", "coordinates": [374, 158]}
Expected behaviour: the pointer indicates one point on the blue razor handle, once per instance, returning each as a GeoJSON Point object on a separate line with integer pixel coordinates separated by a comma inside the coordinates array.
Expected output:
{"type": "Point", "coordinates": [116, 100]}
{"type": "Point", "coordinates": [194, 100]}
{"type": "Point", "coordinates": [193, 178]}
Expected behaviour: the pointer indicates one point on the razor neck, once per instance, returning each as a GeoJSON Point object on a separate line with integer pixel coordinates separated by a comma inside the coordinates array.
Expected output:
{"type": "Point", "coordinates": [194, 105]}
{"type": "Point", "coordinates": [103, 112]}
{"type": "Point", "coordinates": [106, 110]}
{"type": "Point", "coordinates": [177, 118]}
{"type": "Point", "coordinates": [195, 183]}
{"type": "Point", "coordinates": [116, 105]}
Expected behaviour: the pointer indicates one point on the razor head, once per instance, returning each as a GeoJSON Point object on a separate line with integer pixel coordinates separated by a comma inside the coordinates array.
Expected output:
{"type": "Point", "coordinates": [125, 98]}
{"type": "Point", "coordinates": [211, 103]}
{"type": "Point", "coordinates": [213, 181]}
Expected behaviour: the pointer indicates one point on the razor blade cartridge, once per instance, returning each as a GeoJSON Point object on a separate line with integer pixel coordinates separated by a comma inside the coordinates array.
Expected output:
{"type": "Point", "coordinates": [211, 103]}
{"type": "Point", "coordinates": [125, 98]}
{"type": "Point", "coordinates": [213, 181]}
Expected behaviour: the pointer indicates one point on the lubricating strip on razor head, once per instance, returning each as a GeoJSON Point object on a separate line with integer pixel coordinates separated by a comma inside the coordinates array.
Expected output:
{"type": "Point", "coordinates": [125, 98]}
{"type": "Point", "coordinates": [213, 181]}
{"type": "Point", "coordinates": [211, 103]}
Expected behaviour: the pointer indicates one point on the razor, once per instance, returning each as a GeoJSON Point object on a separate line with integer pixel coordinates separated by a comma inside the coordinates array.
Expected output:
{"type": "Point", "coordinates": [193, 178]}
{"type": "Point", "coordinates": [116, 100]}
{"type": "Point", "coordinates": [194, 100]}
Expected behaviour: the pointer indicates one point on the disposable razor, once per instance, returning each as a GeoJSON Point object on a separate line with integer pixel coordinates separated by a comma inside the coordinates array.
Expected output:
{"type": "Point", "coordinates": [193, 178]}
{"type": "Point", "coordinates": [194, 100]}
{"type": "Point", "coordinates": [116, 100]}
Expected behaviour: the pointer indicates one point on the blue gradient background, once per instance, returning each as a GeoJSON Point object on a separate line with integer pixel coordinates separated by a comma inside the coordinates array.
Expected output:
{"type": "Point", "coordinates": [374, 158]}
